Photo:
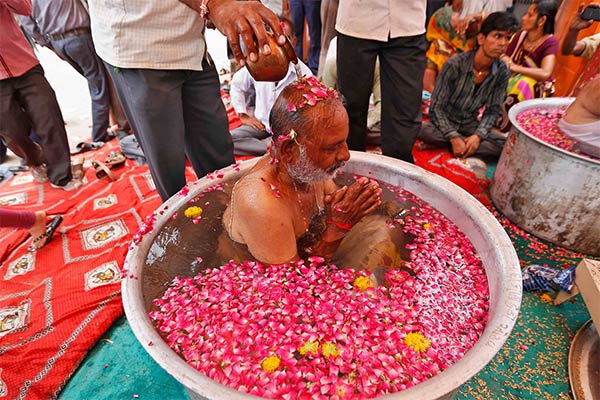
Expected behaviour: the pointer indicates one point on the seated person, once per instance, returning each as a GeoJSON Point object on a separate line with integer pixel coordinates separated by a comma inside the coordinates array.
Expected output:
{"type": "Point", "coordinates": [252, 138]}
{"type": "Point", "coordinates": [531, 57]}
{"type": "Point", "coordinates": [582, 119]}
{"type": "Point", "coordinates": [287, 206]}
{"type": "Point", "coordinates": [587, 46]}
{"type": "Point", "coordinates": [452, 30]}
{"type": "Point", "coordinates": [468, 82]}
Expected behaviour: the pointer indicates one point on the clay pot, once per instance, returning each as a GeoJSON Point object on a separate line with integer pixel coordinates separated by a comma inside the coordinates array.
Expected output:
{"type": "Point", "coordinates": [273, 67]}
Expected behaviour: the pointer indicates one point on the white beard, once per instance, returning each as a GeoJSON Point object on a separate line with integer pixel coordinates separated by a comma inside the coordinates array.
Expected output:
{"type": "Point", "coordinates": [305, 171]}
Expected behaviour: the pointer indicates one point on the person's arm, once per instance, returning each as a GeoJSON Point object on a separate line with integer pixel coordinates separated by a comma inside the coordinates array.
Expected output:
{"type": "Point", "coordinates": [241, 87]}
{"type": "Point", "coordinates": [539, 74]}
{"type": "Point", "coordinates": [570, 44]}
{"type": "Point", "coordinates": [544, 72]}
{"type": "Point", "coordinates": [20, 7]}
{"type": "Point", "coordinates": [266, 226]}
{"type": "Point", "coordinates": [445, 85]}
{"type": "Point", "coordinates": [345, 206]}
{"type": "Point", "coordinates": [493, 105]}
{"type": "Point", "coordinates": [241, 19]}
{"type": "Point", "coordinates": [32, 28]}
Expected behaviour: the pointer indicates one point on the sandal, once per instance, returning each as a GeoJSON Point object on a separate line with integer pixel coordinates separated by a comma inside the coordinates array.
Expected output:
{"type": "Point", "coordinates": [115, 159]}
{"type": "Point", "coordinates": [82, 147]}
{"type": "Point", "coordinates": [77, 169]}
{"type": "Point", "coordinates": [102, 170]}
{"type": "Point", "coordinates": [45, 238]}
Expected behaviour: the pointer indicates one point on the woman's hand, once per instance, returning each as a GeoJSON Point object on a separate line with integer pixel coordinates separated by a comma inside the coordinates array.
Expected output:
{"type": "Point", "coordinates": [507, 60]}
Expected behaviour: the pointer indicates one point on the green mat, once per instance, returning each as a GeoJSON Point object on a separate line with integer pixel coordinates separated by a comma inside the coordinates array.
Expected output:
{"type": "Point", "coordinates": [531, 365]}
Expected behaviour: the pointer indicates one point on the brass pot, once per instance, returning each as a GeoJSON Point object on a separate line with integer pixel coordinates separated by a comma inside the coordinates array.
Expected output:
{"type": "Point", "coordinates": [273, 67]}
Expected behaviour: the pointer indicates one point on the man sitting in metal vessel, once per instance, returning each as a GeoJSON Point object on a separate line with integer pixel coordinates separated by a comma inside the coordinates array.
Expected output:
{"type": "Point", "coordinates": [287, 206]}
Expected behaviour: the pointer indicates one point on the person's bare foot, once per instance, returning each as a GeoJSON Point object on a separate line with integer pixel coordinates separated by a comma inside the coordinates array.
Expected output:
{"type": "Point", "coordinates": [42, 231]}
{"type": "Point", "coordinates": [38, 229]}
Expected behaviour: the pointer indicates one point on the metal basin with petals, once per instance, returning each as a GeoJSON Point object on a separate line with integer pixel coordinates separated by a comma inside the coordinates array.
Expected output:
{"type": "Point", "coordinates": [475, 221]}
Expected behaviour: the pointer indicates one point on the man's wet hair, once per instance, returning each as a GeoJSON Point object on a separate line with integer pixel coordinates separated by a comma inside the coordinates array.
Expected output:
{"type": "Point", "coordinates": [499, 21]}
{"type": "Point", "coordinates": [305, 117]}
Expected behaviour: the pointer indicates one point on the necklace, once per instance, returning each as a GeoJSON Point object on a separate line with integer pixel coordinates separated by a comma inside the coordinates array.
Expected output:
{"type": "Point", "coordinates": [479, 73]}
{"type": "Point", "coordinates": [532, 44]}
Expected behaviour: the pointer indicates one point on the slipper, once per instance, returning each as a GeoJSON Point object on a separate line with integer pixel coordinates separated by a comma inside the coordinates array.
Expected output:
{"type": "Point", "coordinates": [39, 242]}
{"type": "Point", "coordinates": [115, 159]}
{"type": "Point", "coordinates": [102, 170]}
{"type": "Point", "coordinates": [77, 169]}
{"type": "Point", "coordinates": [82, 147]}
{"type": "Point", "coordinates": [18, 168]}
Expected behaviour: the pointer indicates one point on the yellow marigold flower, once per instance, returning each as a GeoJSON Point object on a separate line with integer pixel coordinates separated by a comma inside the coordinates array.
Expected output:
{"type": "Point", "coordinates": [309, 347]}
{"type": "Point", "coordinates": [342, 391]}
{"type": "Point", "coordinates": [193, 212]}
{"type": "Point", "coordinates": [546, 298]}
{"type": "Point", "coordinates": [426, 225]}
{"type": "Point", "coordinates": [330, 350]}
{"type": "Point", "coordinates": [417, 342]}
{"type": "Point", "coordinates": [270, 363]}
{"type": "Point", "coordinates": [363, 282]}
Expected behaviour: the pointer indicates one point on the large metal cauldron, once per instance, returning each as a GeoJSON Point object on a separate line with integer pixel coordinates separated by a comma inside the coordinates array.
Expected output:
{"type": "Point", "coordinates": [486, 234]}
{"type": "Point", "coordinates": [549, 192]}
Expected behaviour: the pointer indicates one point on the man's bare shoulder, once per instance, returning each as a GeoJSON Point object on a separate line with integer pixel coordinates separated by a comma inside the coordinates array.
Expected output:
{"type": "Point", "coordinates": [258, 199]}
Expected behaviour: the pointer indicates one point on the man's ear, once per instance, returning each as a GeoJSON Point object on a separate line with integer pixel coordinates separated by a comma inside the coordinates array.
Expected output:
{"type": "Point", "coordinates": [480, 38]}
{"type": "Point", "coordinates": [289, 151]}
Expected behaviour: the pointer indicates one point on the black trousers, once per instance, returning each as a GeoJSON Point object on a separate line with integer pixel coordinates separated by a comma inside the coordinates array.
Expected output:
{"type": "Point", "coordinates": [27, 103]}
{"type": "Point", "coordinates": [175, 113]}
{"type": "Point", "coordinates": [402, 65]}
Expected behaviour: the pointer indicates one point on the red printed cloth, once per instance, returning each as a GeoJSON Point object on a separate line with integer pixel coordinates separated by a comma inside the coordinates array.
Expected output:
{"type": "Point", "coordinates": [57, 302]}
{"type": "Point", "coordinates": [460, 172]}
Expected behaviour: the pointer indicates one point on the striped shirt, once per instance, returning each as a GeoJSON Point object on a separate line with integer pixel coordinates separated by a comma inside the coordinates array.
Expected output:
{"type": "Point", "coordinates": [457, 99]}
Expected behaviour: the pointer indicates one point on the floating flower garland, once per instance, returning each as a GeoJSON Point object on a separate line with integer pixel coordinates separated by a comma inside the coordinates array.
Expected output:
{"type": "Point", "coordinates": [310, 330]}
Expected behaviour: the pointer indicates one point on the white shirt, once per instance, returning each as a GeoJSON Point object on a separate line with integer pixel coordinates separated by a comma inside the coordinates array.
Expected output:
{"type": "Point", "coordinates": [488, 6]}
{"type": "Point", "coordinates": [274, 5]}
{"type": "Point", "coordinates": [381, 19]}
{"type": "Point", "coordinates": [242, 85]}
{"type": "Point", "coordinates": [163, 34]}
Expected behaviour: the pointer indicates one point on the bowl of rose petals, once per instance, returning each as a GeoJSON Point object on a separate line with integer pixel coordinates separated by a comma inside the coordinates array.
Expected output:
{"type": "Point", "coordinates": [432, 310]}
{"type": "Point", "coordinates": [544, 183]}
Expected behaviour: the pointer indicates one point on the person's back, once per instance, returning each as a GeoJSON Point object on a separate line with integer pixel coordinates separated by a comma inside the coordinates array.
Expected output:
{"type": "Point", "coordinates": [581, 121]}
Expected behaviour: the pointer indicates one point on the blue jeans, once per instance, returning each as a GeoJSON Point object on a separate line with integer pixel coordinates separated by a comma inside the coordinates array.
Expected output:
{"type": "Point", "coordinates": [79, 51]}
{"type": "Point", "coordinates": [311, 9]}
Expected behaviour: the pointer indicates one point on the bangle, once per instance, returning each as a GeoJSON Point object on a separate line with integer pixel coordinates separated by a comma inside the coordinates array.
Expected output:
{"type": "Point", "coordinates": [204, 9]}
{"type": "Point", "coordinates": [345, 227]}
